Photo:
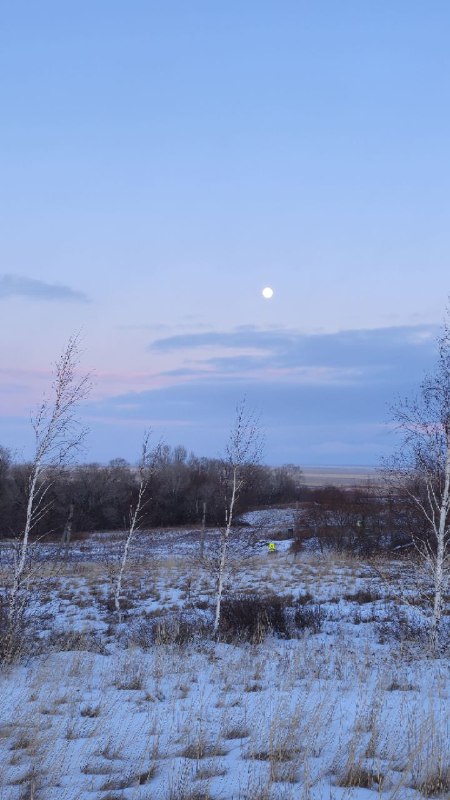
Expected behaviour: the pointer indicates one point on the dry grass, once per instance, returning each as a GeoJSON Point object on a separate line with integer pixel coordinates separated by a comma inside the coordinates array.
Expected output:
{"type": "Point", "coordinates": [199, 748]}
{"type": "Point", "coordinates": [273, 720]}
{"type": "Point", "coordinates": [358, 775]}
{"type": "Point", "coordinates": [282, 745]}
{"type": "Point", "coordinates": [435, 783]}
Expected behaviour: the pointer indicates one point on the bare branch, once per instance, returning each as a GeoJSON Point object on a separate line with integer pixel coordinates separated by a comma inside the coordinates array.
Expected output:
{"type": "Point", "coordinates": [147, 466]}
{"type": "Point", "coordinates": [244, 450]}
{"type": "Point", "coordinates": [58, 435]}
{"type": "Point", "coordinates": [421, 470]}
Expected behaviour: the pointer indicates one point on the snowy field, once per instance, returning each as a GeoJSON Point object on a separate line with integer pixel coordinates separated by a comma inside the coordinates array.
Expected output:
{"type": "Point", "coordinates": [345, 703]}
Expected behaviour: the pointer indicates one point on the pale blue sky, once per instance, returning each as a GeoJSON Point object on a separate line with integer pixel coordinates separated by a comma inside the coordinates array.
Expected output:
{"type": "Point", "coordinates": [162, 162]}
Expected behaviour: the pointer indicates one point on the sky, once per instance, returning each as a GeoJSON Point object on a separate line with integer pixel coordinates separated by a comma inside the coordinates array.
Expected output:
{"type": "Point", "coordinates": [162, 162]}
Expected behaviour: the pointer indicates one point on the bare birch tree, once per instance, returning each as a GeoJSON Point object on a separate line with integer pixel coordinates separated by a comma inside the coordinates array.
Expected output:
{"type": "Point", "coordinates": [243, 450]}
{"type": "Point", "coordinates": [58, 435]}
{"type": "Point", "coordinates": [146, 466]}
{"type": "Point", "coordinates": [421, 470]}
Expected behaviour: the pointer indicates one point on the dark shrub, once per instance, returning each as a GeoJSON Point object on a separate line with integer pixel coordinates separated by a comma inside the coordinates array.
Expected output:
{"type": "Point", "coordinates": [309, 617]}
{"type": "Point", "coordinates": [303, 599]}
{"type": "Point", "coordinates": [252, 617]}
{"type": "Point", "coordinates": [16, 636]}
{"type": "Point", "coordinates": [86, 641]}
{"type": "Point", "coordinates": [177, 629]}
{"type": "Point", "coordinates": [362, 596]}
{"type": "Point", "coordinates": [403, 627]}
{"type": "Point", "coordinates": [108, 602]}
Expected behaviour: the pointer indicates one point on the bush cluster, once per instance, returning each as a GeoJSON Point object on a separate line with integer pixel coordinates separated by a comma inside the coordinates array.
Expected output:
{"type": "Point", "coordinates": [252, 617]}
{"type": "Point", "coordinates": [178, 628]}
{"type": "Point", "coordinates": [362, 520]}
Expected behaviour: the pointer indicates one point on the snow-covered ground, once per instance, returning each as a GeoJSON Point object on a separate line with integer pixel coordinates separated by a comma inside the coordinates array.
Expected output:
{"type": "Point", "coordinates": [356, 709]}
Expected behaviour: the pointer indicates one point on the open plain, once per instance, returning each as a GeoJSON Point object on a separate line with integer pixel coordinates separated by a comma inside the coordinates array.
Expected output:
{"type": "Point", "coordinates": [329, 694]}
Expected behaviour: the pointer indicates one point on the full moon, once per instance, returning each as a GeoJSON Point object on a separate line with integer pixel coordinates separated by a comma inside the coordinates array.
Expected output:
{"type": "Point", "coordinates": [267, 292]}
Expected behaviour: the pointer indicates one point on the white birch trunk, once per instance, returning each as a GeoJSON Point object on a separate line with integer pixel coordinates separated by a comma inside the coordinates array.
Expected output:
{"type": "Point", "coordinates": [67, 532]}
{"type": "Point", "coordinates": [223, 551]}
{"type": "Point", "coordinates": [243, 450]}
{"type": "Point", "coordinates": [57, 434]}
{"type": "Point", "coordinates": [120, 575]}
{"type": "Point", "coordinates": [439, 564]}
{"type": "Point", "coordinates": [19, 566]}
{"type": "Point", "coordinates": [202, 534]}
{"type": "Point", "coordinates": [135, 515]}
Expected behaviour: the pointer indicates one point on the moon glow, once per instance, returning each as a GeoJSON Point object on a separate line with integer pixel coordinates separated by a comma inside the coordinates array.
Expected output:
{"type": "Point", "coordinates": [267, 293]}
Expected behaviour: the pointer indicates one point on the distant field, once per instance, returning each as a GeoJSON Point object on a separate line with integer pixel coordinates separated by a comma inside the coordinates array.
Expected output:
{"type": "Point", "coordinates": [338, 476]}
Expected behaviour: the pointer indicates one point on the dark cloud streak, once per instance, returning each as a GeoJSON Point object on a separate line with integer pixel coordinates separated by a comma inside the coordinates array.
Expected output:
{"type": "Point", "coordinates": [374, 355]}
{"type": "Point", "coordinates": [21, 286]}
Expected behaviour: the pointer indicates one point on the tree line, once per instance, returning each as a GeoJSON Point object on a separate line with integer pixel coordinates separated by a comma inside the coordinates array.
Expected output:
{"type": "Point", "coordinates": [183, 489]}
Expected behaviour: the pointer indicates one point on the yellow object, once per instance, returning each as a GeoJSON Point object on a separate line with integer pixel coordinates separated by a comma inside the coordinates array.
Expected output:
{"type": "Point", "coordinates": [272, 546]}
